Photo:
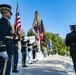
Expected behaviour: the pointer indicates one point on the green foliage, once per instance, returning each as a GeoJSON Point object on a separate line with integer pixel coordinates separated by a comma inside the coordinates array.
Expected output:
{"type": "Point", "coordinates": [58, 44]}
{"type": "Point", "coordinates": [30, 33]}
{"type": "Point", "coordinates": [22, 32]}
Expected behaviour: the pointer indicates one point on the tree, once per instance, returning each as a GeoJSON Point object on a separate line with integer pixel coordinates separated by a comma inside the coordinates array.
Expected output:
{"type": "Point", "coordinates": [30, 33]}
{"type": "Point", "coordinates": [22, 32]}
{"type": "Point", "coordinates": [58, 44]}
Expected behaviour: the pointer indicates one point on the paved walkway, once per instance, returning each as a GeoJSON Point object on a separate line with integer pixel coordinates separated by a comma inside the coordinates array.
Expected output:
{"type": "Point", "coordinates": [52, 65]}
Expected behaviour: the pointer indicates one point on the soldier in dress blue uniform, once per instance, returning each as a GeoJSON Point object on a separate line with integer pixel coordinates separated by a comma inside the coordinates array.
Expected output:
{"type": "Point", "coordinates": [24, 51]}
{"type": "Point", "coordinates": [7, 31]}
{"type": "Point", "coordinates": [71, 42]}
{"type": "Point", "coordinates": [15, 56]}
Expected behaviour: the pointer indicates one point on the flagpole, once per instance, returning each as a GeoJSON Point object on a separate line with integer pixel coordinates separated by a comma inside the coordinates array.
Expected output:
{"type": "Point", "coordinates": [17, 24]}
{"type": "Point", "coordinates": [17, 1]}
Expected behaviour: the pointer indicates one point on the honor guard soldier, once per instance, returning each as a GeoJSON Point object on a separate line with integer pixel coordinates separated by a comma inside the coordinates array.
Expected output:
{"type": "Point", "coordinates": [30, 46]}
{"type": "Point", "coordinates": [24, 51]}
{"type": "Point", "coordinates": [15, 56]}
{"type": "Point", "coordinates": [71, 42]}
{"type": "Point", "coordinates": [34, 52]}
{"type": "Point", "coordinates": [6, 30]}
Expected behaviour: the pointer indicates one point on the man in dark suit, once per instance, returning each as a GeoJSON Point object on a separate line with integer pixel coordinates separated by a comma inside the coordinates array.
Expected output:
{"type": "Point", "coordinates": [71, 42]}
{"type": "Point", "coordinates": [6, 34]}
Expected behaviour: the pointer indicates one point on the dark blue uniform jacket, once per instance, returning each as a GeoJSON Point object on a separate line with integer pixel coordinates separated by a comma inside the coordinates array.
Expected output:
{"type": "Point", "coordinates": [71, 41]}
{"type": "Point", "coordinates": [3, 31]}
{"type": "Point", "coordinates": [6, 30]}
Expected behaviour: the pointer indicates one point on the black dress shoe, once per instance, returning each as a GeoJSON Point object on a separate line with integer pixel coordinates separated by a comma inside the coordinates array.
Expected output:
{"type": "Point", "coordinates": [34, 61]}
{"type": "Point", "coordinates": [24, 66]}
{"type": "Point", "coordinates": [16, 71]}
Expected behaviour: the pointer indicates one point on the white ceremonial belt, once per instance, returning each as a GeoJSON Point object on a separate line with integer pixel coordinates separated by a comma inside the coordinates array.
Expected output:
{"type": "Point", "coordinates": [9, 37]}
{"type": "Point", "coordinates": [2, 45]}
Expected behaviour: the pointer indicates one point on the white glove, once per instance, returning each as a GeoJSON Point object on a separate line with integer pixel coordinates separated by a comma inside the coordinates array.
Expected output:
{"type": "Point", "coordinates": [4, 54]}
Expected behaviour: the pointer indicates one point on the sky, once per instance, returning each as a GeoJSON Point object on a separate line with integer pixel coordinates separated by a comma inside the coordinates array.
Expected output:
{"type": "Point", "coordinates": [57, 15]}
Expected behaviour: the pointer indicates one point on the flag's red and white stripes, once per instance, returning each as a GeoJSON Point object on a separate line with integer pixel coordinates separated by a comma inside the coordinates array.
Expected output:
{"type": "Point", "coordinates": [17, 25]}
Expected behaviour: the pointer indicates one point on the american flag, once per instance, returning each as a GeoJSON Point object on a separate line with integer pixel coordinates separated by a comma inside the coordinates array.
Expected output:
{"type": "Point", "coordinates": [17, 25]}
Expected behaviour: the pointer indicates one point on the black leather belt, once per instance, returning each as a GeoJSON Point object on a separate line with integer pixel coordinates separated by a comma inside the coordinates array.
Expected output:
{"type": "Point", "coordinates": [23, 46]}
{"type": "Point", "coordinates": [16, 45]}
{"type": "Point", "coordinates": [73, 44]}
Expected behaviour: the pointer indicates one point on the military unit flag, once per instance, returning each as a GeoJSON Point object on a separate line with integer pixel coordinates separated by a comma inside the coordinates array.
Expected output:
{"type": "Point", "coordinates": [35, 25]}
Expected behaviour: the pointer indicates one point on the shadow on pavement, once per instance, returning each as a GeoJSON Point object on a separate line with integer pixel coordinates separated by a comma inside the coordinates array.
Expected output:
{"type": "Point", "coordinates": [42, 68]}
